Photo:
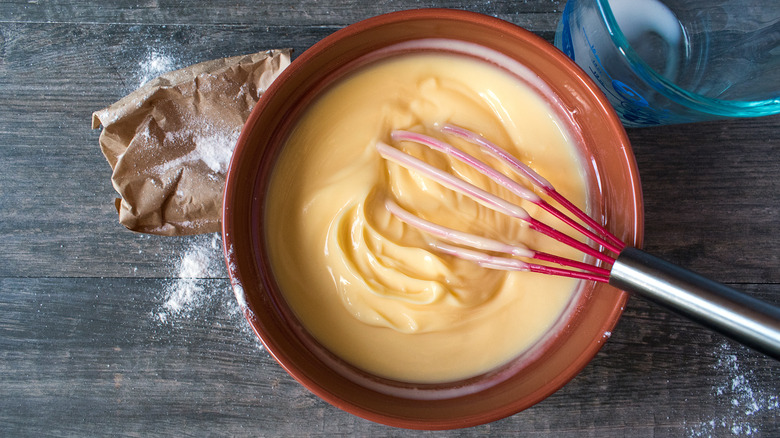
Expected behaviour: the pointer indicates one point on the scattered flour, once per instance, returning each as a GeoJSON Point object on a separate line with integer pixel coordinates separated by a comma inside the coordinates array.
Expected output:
{"type": "Point", "coordinates": [201, 261]}
{"type": "Point", "coordinates": [743, 403]}
{"type": "Point", "coordinates": [214, 147]}
{"type": "Point", "coordinates": [193, 292]}
{"type": "Point", "coordinates": [194, 295]}
{"type": "Point", "coordinates": [238, 289]}
{"type": "Point", "coordinates": [215, 150]}
{"type": "Point", "coordinates": [154, 64]}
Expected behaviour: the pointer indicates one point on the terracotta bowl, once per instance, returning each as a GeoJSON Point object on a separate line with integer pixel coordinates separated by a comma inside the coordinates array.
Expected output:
{"type": "Point", "coordinates": [615, 195]}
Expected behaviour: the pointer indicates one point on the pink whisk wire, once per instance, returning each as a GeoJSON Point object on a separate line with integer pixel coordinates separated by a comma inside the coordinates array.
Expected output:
{"type": "Point", "coordinates": [596, 233]}
{"type": "Point", "coordinates": [537, 180]}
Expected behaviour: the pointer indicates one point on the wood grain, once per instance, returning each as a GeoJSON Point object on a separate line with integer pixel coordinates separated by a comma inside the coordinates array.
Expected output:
{"type": "Point", "coordinates": [712, 196]}
{"type": "Point", "coordinates": [95, 358]}
{"type": "Point", "coordinates": [89, 348]}
{"type": "Point", "coordinates": [536, 15]}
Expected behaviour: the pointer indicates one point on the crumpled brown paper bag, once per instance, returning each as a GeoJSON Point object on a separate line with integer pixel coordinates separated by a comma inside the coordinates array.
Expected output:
{"type": "Point", "coordinates": [169, 142]}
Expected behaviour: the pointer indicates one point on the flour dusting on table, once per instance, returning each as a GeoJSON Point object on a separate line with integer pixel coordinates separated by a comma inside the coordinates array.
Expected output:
{"type": "Point", "coordinates": [743, 403]}
{"type": "Point", "coordinates": [154, 64]}
{"type": "Point", "coordinates": [198, 263]}
{"type": "Point", "coordinates": [200, 290]}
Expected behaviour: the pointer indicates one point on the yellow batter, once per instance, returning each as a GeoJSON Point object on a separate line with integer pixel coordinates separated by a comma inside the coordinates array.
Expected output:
{"type": "Point", "coordinates": [367, 286]}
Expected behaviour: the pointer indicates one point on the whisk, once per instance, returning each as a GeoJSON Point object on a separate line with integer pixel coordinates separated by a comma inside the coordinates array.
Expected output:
{"type": "Point", "coordinates": [743, 318]}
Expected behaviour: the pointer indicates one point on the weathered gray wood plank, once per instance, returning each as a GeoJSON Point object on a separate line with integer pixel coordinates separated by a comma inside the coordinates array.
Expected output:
{"type": "Point", "coordinates": [712, 196]}
{"type": "Point", "coordinates": [55, 182]}
{"type": "Point", "coordinates": [536, 15]}
{"type": "Point", "coordinates": [92, 357]}
{"type": "Point", "coordinates": [88, 346]}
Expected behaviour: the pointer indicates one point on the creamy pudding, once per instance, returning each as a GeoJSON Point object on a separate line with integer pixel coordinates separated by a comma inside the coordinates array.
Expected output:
{"type": "Point", "coordinates": [370, 288]}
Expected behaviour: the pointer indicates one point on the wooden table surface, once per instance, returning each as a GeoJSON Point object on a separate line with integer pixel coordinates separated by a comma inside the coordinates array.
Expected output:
{"type": "Point", "coordinates": [92, 342]}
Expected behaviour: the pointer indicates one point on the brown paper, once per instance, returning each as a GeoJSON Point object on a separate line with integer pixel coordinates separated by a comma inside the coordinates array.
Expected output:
{"type": "Point", "coordinates": [169, 142]}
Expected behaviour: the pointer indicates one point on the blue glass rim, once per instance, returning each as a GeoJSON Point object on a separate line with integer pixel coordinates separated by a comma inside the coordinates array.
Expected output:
{"type": "Point", "coordinates": [698, 102]}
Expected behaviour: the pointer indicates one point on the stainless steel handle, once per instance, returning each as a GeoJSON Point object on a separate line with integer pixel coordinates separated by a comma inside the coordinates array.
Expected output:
{"type": "Point", "coordinates": [743, 318]}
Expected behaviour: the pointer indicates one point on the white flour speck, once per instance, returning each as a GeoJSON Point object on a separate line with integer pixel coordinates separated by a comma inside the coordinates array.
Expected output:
{"type": "Point", "coordinates": [193, 293]}
{"type": "Point", "coordinates": [154, 64]}
{"type": "Point", "coordinates": [198, 263]}
{"type": "Point", "coordinates": [238, 289]}
{"type": "Point", "coordinates": [215, 150]}
{"type": "Point", "coordinates": [213, 147]}
{"type": "Point", "coordinates": [744, 403]}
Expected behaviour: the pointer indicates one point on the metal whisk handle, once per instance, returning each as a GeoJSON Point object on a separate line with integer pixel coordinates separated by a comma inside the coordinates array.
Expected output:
{"type": "Point", "coordinates": [740, 317]}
